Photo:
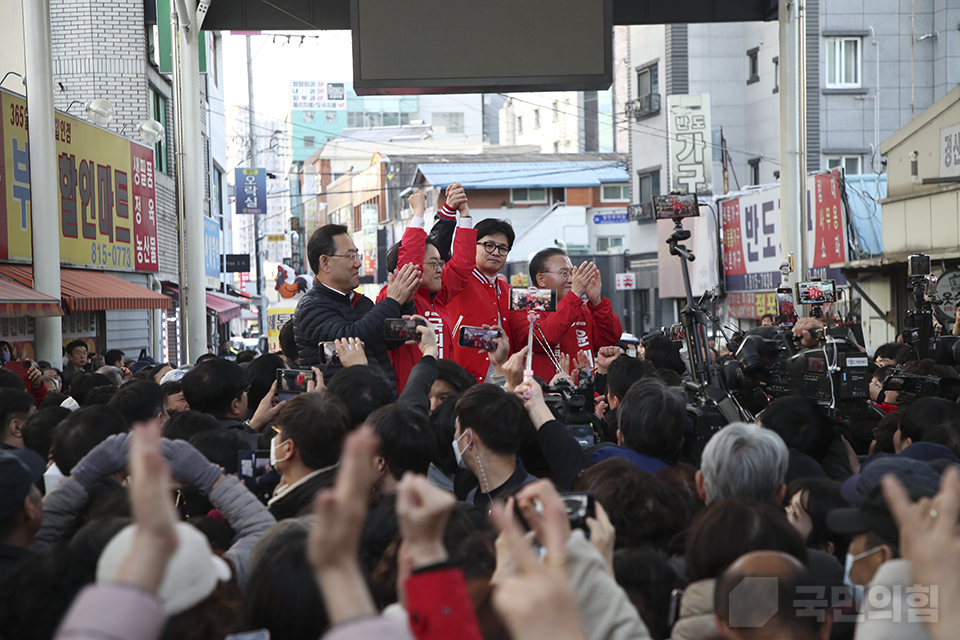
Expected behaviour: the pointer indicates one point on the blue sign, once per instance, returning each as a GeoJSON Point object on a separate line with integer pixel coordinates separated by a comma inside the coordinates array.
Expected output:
{"type": "Point", "coordinates": [250, 188]}
{"type": "Point", "coordinates": [211, 248]}
{"type": "Point", "coordinates": [611, 218]}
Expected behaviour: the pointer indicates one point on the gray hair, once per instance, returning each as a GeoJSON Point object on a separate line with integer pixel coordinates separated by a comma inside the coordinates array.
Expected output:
{"type": "Point", "coordinates": [113, 373]}
{"type": "Point", "coordinates": [744, 461]}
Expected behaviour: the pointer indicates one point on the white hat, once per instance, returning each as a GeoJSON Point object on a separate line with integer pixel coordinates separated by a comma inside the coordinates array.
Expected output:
{"type": "Point", "coordinates": [192, 573]}
{"type": "Point", "coordinates": [173, 375]}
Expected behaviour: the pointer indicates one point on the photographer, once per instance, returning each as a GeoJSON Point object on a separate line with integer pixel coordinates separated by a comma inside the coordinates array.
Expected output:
{"type": "Point", "coordinates": [583, 321]}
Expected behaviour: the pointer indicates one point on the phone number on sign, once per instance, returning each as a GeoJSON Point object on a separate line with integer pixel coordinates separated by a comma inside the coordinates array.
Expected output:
{"type": "Point", "coordinates": [109, 255]}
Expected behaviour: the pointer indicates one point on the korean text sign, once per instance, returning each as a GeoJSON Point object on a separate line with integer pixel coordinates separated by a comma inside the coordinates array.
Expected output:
{"type": "Point", "coordinates": [108, 207]}
{"type": "Point", "coordinates": [250, 186]}
{"type": "Point", "coordinates": [691, 157]}
{"type": "Point", "coordinates": [751, 235]}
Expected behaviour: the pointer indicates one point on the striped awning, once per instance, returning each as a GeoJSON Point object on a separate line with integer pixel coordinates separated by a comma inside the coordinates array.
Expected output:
{"type": "Point", "coordinates": [89, 290]}
{"type": "Point", "coordinates": [17, 300]}
{"type": "Point", "coordinates": [217, 303]}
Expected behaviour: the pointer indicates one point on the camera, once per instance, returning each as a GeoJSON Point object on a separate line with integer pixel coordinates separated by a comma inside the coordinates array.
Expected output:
{"type": "Point", "coordinates": [913, 386]}
{"type": "Point", "coordinates": [574, 406]}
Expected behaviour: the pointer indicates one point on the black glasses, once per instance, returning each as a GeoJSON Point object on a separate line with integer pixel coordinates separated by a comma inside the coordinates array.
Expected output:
{"type": "Point", "coordinates": [491, 247]}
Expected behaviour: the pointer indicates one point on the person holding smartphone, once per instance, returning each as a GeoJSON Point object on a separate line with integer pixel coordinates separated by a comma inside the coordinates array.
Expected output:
{"type": "Point", "coordinates": [439, 284]}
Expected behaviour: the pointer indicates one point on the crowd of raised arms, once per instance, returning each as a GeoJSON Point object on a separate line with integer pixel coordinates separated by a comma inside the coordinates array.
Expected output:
{"type": "Point", "coordinates": [405, 468]}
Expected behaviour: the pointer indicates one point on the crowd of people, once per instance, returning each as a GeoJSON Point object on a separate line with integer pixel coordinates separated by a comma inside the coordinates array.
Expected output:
{"type": "Point", "coordinates": [429, 489]}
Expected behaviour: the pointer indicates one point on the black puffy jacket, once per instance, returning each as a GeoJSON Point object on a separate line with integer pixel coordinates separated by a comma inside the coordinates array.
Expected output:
{"type": "Point", "coordinates": [324, 315]}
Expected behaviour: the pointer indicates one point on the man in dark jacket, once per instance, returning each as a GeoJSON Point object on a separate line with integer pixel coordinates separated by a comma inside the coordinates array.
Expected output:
{"type": "Point", "coordinates": [332, 309]}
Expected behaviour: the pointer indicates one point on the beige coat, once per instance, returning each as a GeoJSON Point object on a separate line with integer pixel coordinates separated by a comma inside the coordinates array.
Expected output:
{"type": "Point", "coordinates": [696, 613]}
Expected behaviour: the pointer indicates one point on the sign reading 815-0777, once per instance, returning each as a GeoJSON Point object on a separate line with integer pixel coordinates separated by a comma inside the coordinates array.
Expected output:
{"type": "Point", "coordinates": [250, 186]}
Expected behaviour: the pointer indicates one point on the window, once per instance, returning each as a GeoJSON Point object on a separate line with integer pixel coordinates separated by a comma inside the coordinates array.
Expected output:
{"type": "Point", "coordinates": [536, 118]}
{"type": "Point", "coordinates": [556, 111]}
{"type": "Point", "coordinates": [850, 164]}
{"type": "Point", "coordinates": [843, 63]}
{"type": "Point", "coordinates": [536, 195]}
{"type": "Point", "coordinates": [776, 74]}
{"type": "Point", "coordinates": [158, 111]}
{"type": "Point", "coordinates": [615, 193]}
{"type": "Point", "coordinates": [648, 91]}
{"type": "Point", "coordinates": [355, 119]}
{"type": "Point", "coordinates": [391, 119]}
{"type": "Point", "coordinates": [308, 142]}
{"type": "Point", "coordinates": [448, 122]}
{"type": "Point", "coordinates": [754, 165]}
{"type": "Point", "coordinates": [519, 125]}
{"type": "Point", "coordinates": [753, 65]}
{"type": "Point", "coordinates": [649, 187]}
{"type": "Point", "coordinates": [331, 116]}
{"type": "Point", "coordinates": [308, 116]}
{"type": "Point", "coordinates": [372, 119]}
{"type": "Point", "coordinates": [605, 243]}
{"type": "Point", "coordinates": [556, 147]}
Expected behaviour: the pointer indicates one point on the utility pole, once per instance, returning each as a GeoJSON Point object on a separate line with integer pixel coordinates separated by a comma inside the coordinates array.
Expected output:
{"type": "Point", "coordinates": [252, 119]}
{"type": "Point", "coordinates": [793, 119]}
{"type": "Point", "coordinates": [44, 191]}
{"type": "Point", "coordinates": [190, 174]}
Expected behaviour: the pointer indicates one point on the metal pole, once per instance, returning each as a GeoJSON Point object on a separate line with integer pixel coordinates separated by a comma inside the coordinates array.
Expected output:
{"type": "Point", "coordinates": [193, 303]}
{"type": "Point", "coordinates": [180, 188]}
{"type": "Point", "coordinates": [44, 206]}
{"type": "Point", "coordinates": [792, 156]}
{"type": "Point", "coordinates": [252, 119]}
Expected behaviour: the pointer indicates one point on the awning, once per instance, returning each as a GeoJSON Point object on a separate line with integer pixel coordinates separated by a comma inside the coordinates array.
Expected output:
{"type": "Point", "coordinates": [88, 290]}
{"type": "Point", "coordinates": [225, 310]}
{"type": "Point", "coordinates": [17, 300]}
{"type": "Point", "coordinates": [243, 302]}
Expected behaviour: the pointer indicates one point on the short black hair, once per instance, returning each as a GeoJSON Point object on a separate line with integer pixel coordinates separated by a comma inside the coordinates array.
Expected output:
{"type": "Point", "coordinates": [112, 356]}
{"type": "Point", "coordinates": [406, 441]}
{"type": "Point", "coordinates": [926, 413]}
{"type": "Point", "coordinates": [73, 344]}
{"type": "Point", "coordinates": [443, 421]}
{"type": "Point", "coordinates": [288, 343]}
{"type": "Point", "coordinates": [623, 372]}
{"type": "Point", "coordinates": [138, 401]}
{"type": "Point", "coordinates": [83, 382]}
{"type": "Point", "coordinates": [323, 243]}
{"type": "Point", "coordinates": [496, 416]}
{"type": "Point", "coordinates": [39, 427]}
{"type": "Point", "coordinates": [818, 497]}
{"type": "Point", "coordinates": [317, 424]}
{"type": "Point", "coordinates": [261, 373]}
{"type": "Point", "coordinates": [652, 419]}
{"type": "Point", "coordinates": [213, 385]}
{"type": "Point", "coordinates": [171, 387]}
{"type": "Point", "coordinates": [81, 431]}
{"type": "Point", "coordinates": [490, 226]}
{"type": "Point", "coordinates": [393, 254]}
{"type": "Point", "coordinates": [664, 353]}
{"type": "Point", "coordinates": [220, 446]}
{"type": "Point", "coordinates": [99, 395]}
{"type": "Point", "coordinates": [13, 403]}
{"type": "Point", "coordinates": [538, 262]}
{"type": "Point", "coordinates": [187, 424]}
{"type": "Point", "coordinates": [458, 377]}
{"type": "Point", "coordinates": [888, 351]}
{"type": "Point", "coordinates": [363, 389]}
{"type": "Point", "coordinates": [800, 424]}
{"type": "Point", "coordinates": [10, 380]}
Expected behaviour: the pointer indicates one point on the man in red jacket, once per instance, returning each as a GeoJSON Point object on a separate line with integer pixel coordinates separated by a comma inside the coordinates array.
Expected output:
{"type": "Point", "coordinates": [439, 284]}
{"type": "Point", "coordinates": [583, 321]}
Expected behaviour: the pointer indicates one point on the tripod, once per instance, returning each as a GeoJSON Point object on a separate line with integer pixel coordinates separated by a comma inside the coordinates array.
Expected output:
{"type": "Point", "coordinates": [692, 316]}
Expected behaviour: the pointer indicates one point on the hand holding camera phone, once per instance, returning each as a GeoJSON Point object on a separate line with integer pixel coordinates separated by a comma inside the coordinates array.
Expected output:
{"type": "Point", "coordinates": [22, 369]}
{"type": "Point", "coordinates": [817, 292]}
{"type": "Point", "coordinates": [533, 299]}
{"type": "Point", "coordinates": [402, 330]}
{"type": "Point", "coordinates": [479, 338]}
{"type": "Point", "coordinates": [291, 382]}
{"type": "Point", "coordinates": [328, 354]}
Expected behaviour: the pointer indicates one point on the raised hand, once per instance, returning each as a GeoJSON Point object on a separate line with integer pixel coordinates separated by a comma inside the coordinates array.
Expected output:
{"type": "Point", "coordinates": [423, 510]}
{"type": "Point", "coordinates": [605, 356]}
{"type": "Point", "coordinates": [594, 287]}
{"type": "Point", "coordinates": [404, 283]}
{"type": "Point", "coordinates": [513, 369]}
{"type": "Point", "coordinates": [456, 196]}
{"type": "Point", "coordinates": [428, 337]}
{"type": "Point", "coordinates": [418, 202]}
{"type": "Point", "coordinates": [532, 395]}
{"type": "Point", "coordinates": [581, 278]}
{"type": "Point", "coordinates": [351, 352]}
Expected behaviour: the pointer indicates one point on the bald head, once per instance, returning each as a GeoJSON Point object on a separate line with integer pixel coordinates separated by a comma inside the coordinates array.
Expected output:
{"type": "Point", "coordinates": [759, 595]}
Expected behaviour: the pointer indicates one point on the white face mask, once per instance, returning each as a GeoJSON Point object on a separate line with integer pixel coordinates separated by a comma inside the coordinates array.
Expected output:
{"type": "Point", "coordinates": [856, 589]}
{"type": "Point", "coordinates": [273, 451]}
{"type": "Point", "coordinates": [459, 454]}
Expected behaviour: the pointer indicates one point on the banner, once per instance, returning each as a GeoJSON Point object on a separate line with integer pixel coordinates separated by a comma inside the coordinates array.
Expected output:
{"type": "Point", "coordinates": [211, 250]}
{"type": "Point", "coordinates": [250, 189]}
{"type": "Point", "coordinates": [691, 160]}
{"type": "Point", "coordinates": [751, 236]}
{"type": "Point", "coordinates": [108, 216]}
{"type": "Point", "coordinates": [321, 96]}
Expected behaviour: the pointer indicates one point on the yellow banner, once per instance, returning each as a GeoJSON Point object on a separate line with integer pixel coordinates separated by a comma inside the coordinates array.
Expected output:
{"type": "Point", "coordinates": [108, 216]}
{"type": "Point", "coordinates": [276, 237]}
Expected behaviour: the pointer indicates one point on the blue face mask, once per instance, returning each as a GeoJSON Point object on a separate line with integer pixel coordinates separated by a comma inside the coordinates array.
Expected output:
{"type": "Point", "coordinates": [856, 589]}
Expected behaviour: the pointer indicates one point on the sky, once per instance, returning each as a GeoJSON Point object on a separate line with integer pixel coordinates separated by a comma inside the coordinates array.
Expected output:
{"type": "Point", "coordinates": [324, 55]}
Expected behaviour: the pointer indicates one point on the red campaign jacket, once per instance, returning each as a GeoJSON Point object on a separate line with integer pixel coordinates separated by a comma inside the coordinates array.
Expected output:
{"type": "Point", "coordinates": [575, 326]}
{"type": "Point", "coordinates": [439, 606]}
{"type": "Point", "coordinates": [455, 276]}
{"type": "Point", "coordinates": [481, 302]}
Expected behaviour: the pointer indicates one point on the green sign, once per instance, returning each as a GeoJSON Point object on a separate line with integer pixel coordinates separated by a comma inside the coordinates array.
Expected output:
{"type": "Point", "coordinates": [165, 43]}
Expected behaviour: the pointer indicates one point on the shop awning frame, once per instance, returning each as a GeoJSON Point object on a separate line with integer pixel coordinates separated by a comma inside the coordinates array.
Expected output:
{"type": "Point", "coordinates": [17, 301]}
{"type": "Point", "coordinates": [92, 290]}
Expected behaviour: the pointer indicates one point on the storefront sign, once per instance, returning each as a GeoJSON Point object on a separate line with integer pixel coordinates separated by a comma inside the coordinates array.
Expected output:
{"type": "Point", "coordinates": [19, 332]}
{"type": "Point", "coordinates": [610, 218]}
{"type": "Point", "coordinates": [691, 161]}
{"type": "Point", "coordinates": [323, 96]}
{"type": "Point", "coordinates": [950, 151]}
{"type": "Point", "coordinates": [251, 190]}
{"type": "Point", "coordinates": [626, 281]}
{"type": "Point", "coordinates": [369, 214]}
{"type": "Point", "coordinates": [211, 248]}
{"type": "Point", "coordinates": [108, 208]}
{"type": "Point", "coordinates": [236, 262]}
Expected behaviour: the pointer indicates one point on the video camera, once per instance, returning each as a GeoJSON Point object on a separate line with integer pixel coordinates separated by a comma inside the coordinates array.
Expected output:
{"type": "Point", "coordinates": [574, 407]}
{"type": "Point", "coordinates": [913, 386]}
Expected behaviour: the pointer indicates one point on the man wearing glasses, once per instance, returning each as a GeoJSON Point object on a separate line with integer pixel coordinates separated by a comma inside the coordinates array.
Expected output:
{"type": "Point", "coordinates": [485, 300]}
{"type": "Point", "coordinates": [78, 360]}
{"type": "Point", "coordinates": [584, 320]}
{"type": "Point", "coordinates": [438, 285]}
{"type": "Point", "coordinates": [332, 309]}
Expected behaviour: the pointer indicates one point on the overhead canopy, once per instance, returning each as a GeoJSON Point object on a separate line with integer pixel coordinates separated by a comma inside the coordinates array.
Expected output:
{"type": "Point", "coordinates": [245, 15]}
{"type": "Point", "coordinates": [224, 306]}
{"type": "Point", "coordinates": [518, 175]}
{"type": "Point", "coordinates": [17, 300]}
{"type": "Point", "coordinates": [88, 290]}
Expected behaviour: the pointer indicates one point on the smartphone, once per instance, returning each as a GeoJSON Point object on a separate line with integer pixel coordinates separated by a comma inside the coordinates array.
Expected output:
{"type": "Point", "coordinates": [290, 382]}
{"type": "Point", "coordinates": [817, 292]}
{"type": "Point", "coordinates": [20, 367]}
{"type": "Point", "coordinates": [400, 329]}
{"type": "Point", "coordinates": [918, 265]}
{"type": "Point", "coordinates": [580, 506]}
{"type": "Point", "coordinates": [328, 354]}
{"type": "Point", "coordinates": [533, 299]}
{"type": "Point", "coordinates": [786, 314]}
{"type": "Point", "coordinates": [251, 466]}
{"type": "Point", "coordinates": [479, 338]}
{"type": "Point", "coordinates": [668, 207]}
